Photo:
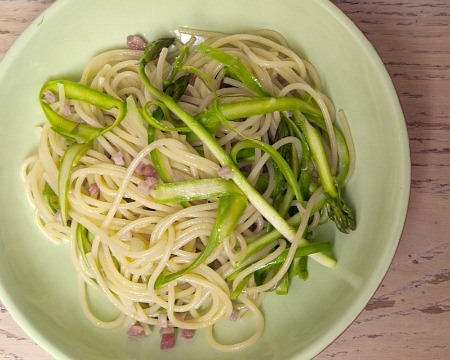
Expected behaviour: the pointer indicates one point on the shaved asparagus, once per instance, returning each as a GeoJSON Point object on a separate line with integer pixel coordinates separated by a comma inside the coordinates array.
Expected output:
{"type": "Point", "coordinates": [229, 211]}
{"type": "Point", "coordinates": [259, 202]}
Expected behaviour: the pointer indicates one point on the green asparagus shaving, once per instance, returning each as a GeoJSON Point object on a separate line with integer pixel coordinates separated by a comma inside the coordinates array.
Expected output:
{"type": "Point", "coordinates": [283, 197]}
{"type": "Point", "coordinates": [260, 242]}
{"type": "Point", "coordinates": [319, 156]}
{"type": "Point", "coordinates": [176, 90]}
{"type": "Point", "coordinates": [72, 130]}
{"type": "Point", "coordinates": [280, 259]}
{"type": "Point", "coordinates": [342, 149]}
{"type": "Point", "coordinates": [157, 158]}
{"type": "Point", "coordinates": [229, 211]}
{"type": "Point", "coordinates": [235, 67]}
{"type": "Point", "coordinates": [176, 66]}
{"type": "Point", "coordinates": [306, 153]}
{"type": "Point", "coordinates": [288, 151]}
{"type": "Point", "coordinates": [51, 198]}
{"type": "Point", "coordinates": [238, 289]}
{"type": "Point", "coordinates": [151, 54]}
{"type": "Point", "coordinates": [178, 87]}
{"type": "Point", "coordinates": [282, 165]}
{"type": "Point", "coordinates": [283, 286]}
{"type": "Point", "coordinates": [70, 158]}
{"type": "Point", "coordinates": [84, 134]}
{"type": "Point", "coordinates": [84, 240]}
{"type": "Point", "coordinates": [155, 123]}
{"type": "Point", "coordinates": [208, 140]}
{"type": "Point", "coordinates": [305, 184]}
{"type": "Point", "coordinates": [344, 157]}
{"type": "Point", "coordinates": [155, 48]}
{"type": "Point", "coordinates": [195, 190]}
{"type": "Point", "coordinates": [259, 277]}
{"type": "Point", "coordinates": [306, 167]}
{"type": "Point", "coordinates": [286, 203]}
{"type": "Point", "coordinates": [237, 70]}
{"type": "Point", "coordinates": [200, 74]}
{"type": "Point", "coordinates": [259, 202]}
{"type": "Point", "coordinates": [262, 183]}
{"type": "Point", "coordinates": [210, 118]}
{"type": "Point", "coordinates": [84, 244]}
{"type": "Point", "coordinates": [279, 187]}
{"type": "Point", "coordinates": [338, 210]}
{"type": "Point", "coordinates": [265, 105]}
{"type": "Point", "coordinates": [303, 268]}
{"type": "Point", "coordinates": [247, 155]}
{"type": "Point", "coordinates": [300, 252]}
{"type": "Point", "coordinates": [294, 269]}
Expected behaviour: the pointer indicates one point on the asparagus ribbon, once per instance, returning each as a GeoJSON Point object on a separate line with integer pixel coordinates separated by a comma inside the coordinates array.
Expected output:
{"type": "Point", "coordinates": [232, 204]}
{"type": "Point", "coordinates": [72, 130]}
{"type": "Point", "coordinates": [295, 175]}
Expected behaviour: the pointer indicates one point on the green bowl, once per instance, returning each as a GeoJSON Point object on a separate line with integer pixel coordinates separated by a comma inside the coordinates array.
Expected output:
{"type": "Point", "coordinates": [37, 282]}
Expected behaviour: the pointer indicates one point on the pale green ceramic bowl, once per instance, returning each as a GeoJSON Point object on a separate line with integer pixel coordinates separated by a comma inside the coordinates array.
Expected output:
{"type": "Point", "coordinates": [38, 284]}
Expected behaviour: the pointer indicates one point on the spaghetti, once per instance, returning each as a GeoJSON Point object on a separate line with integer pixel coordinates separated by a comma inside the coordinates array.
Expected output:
{"type": "Point", "coordinates": [188, 179]}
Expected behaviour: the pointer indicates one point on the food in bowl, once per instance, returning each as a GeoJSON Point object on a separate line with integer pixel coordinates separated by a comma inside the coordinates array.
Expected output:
{"type": "Point", "coordinates": [189, 175]}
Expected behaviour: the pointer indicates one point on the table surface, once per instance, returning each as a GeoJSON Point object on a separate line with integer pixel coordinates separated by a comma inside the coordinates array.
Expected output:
{"type": "Point", "coordinates": [409, 315]}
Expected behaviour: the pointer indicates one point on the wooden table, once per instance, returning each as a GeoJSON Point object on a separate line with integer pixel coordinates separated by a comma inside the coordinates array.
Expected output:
{"type": "Point", "coordinates": [409, 315]}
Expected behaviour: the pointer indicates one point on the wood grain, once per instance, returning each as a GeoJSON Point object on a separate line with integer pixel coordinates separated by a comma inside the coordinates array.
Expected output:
{"type": "Point", "coordinates": [409, 315]}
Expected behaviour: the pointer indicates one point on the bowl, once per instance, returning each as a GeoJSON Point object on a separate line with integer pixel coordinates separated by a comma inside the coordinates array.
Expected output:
{"type": "Point", "coordinates": [38, 284]}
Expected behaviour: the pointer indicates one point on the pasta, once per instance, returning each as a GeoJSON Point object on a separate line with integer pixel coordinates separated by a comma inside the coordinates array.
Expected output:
{"type": "Point", "coordinates": [104, 164]}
